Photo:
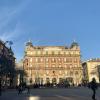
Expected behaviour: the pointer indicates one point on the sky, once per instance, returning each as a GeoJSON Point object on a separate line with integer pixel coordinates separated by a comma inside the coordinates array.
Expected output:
{"type": "Point", "coordinates": [51, 22]}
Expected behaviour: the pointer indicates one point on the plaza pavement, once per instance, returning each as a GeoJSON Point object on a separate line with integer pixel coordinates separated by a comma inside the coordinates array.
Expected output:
{"type": "Point", "coordinates": [79, 93]}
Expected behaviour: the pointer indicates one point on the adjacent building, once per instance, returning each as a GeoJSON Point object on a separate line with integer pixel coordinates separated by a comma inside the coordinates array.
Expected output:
{"type": "Point", "coordinates": [91, 69]}
{"type": "Point", "coordinates": [7, 64]}
{"type": "Point", "coordinates": [52, 64]}
{"type": "Point", "coordinates": [19, 72]}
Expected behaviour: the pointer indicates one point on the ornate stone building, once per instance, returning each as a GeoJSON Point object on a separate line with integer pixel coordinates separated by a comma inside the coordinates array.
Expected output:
{"type": "Point", "coordinates": [91, 69]}
{"type": "Point", "coordinates": [52, 64]}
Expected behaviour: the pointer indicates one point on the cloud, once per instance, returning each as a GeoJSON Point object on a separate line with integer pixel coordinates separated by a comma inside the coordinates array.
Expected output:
{"type": "Point", "coordinates": [7, 15]}
{"type": "Point", "coordinates": [11, 28]}
{"type": "Point", "coordinates": [12, 34]}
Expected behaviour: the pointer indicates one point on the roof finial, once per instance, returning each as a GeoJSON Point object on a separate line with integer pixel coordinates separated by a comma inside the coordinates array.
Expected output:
{"type": "Point", "coordinates": [29, 43]}
{"type": "Point", "coordinates": [74, 40]}
{"type": "Point", "coordinates": [29, 40]}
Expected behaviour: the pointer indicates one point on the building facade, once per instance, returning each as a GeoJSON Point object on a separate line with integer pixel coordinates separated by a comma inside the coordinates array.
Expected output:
{"type": "Point", "coordinates": [91, 69]}
{"type": "Point", "coordinates": [7, 64]}
{"type": "Point", "coordinates": [52, 64]}
{"type": "Point", "coordinates": [19, 72]}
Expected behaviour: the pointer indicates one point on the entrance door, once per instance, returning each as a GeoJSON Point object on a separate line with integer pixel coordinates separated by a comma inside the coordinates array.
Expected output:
{"type": "Point", "coordinates": [54, 81]}
{"type": "Point", "coordinates": [69, 80]}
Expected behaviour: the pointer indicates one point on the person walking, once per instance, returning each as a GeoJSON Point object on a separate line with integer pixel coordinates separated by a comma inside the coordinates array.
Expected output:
{"type": "Point", "coordinates": [20, 88]}
{"type": "Point", "coordinates": [28, 89]}
{"type": "Point", "coordinates": [0, 87]}
{"type": "Point", "coordinates": [93, 86]}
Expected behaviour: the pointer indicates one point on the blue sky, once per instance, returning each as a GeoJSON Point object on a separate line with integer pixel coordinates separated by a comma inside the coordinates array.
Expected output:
{"type": "Point", "coordinates": [51, 22]}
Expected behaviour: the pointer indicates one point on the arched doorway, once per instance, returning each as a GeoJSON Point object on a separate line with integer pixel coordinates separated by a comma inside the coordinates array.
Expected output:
{"type": "Point", "coordinates": [47, 82]}
{"type": "Point", "coordinates": [54, 81]}
{"type": "Point", "coordinates": [60, 80]}
{"type": "Point", "coordinates": [69, 80]}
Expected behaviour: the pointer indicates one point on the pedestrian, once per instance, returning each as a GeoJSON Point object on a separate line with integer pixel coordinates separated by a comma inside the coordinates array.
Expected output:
{"type": "Point", "coordinates": [28, 90]}
{"type": "Point", "coordinates": [0, 87]}
{"type": "Point", "coordinates": [93, 86]}
{"type": "Point", "coordinates": [19, 89]}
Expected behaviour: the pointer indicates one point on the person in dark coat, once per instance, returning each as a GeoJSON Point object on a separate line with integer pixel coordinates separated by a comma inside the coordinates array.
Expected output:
{"type": "Point", "coordinates": [28, 90]}
{"type": "Point", "coordinates": [93, 86]}
{"type": "Point", "coordinates": [0, 87]}
{"type": "Point", "coordinates": [19, 89]}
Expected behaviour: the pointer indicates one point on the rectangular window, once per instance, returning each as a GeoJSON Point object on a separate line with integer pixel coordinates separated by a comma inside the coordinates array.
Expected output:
{"type": "Point", "coordinates": [30, 65]}
{"type": "Point", "coordinates": [36, 59]}
{"type": "Point", "coordinates": [75, 65]}
{"type": "Point", "coordinates": [47, 60]}
{"type": "Point", "coordinates": [39, 52]}
{"type": "Point", "coordinates": [47, 72]}
{"type": "Point", "coordinates": [46, 52]}
{"type": "Point", "coordinates": [59, 59]}
{"type": "Point", "coordinates": [53, 60]}
{"type": "Point", "coordinates": [75, 60]}
{"type": "Point", "coordinates": [53, 65]}
{"type": "Point", "coordinates": [60, 72]}
{"type": "Point", "coordinates": [41, 59]}
{"type": "Point", "coordinates": [59, 53]}
{"type": "Point", "coordinates": [65, 60]}
{"type": "Point", "coordinates": [46, 65]}
{"type": "Point", "coordinates": [30, 59]}
{"type": "Point", "coordinates": [52, 52]}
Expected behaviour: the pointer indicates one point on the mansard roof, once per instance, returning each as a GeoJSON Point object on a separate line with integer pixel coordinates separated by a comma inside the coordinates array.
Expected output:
{"type": "Point", "coordinates": [74, 44]}
{"type": "Point", "coordinates": [29, 43]}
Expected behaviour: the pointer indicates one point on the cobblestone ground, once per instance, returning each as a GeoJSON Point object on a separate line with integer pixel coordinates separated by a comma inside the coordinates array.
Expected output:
{"type": "Point", "coordinates": [80, 93]}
